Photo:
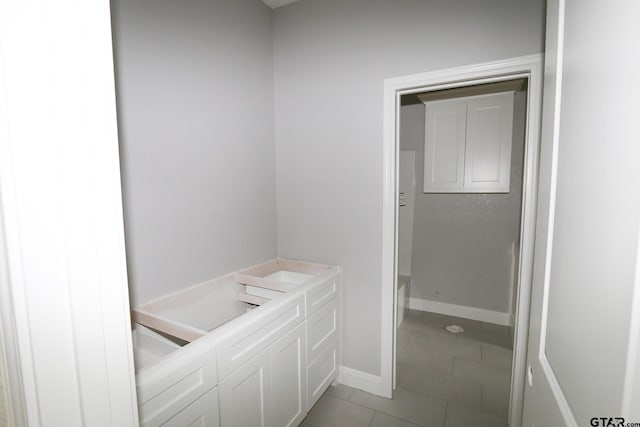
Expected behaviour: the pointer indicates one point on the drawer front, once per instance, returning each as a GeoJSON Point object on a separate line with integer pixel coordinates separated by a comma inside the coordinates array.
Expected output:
{"type": "Point", "coordinates": [321, 373]}
{"type": "Point", "coordinates": [250, 339]}
{"type": "Point", "coordinates": [166, 389]}
{"type": "Point", "coordinates": [322, 329]}
{"type": "Point", "coordinates": [319, 294]}
{"type": "Point", "coordinates": [203, 412]}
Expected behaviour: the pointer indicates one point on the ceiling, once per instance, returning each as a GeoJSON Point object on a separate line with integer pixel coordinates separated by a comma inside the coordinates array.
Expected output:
{"type": "Point", "coordinates": [277, 3]}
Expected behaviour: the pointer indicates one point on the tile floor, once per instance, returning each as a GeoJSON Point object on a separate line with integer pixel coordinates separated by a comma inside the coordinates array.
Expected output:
{"type": "Point", "coordinates": [443, 380]}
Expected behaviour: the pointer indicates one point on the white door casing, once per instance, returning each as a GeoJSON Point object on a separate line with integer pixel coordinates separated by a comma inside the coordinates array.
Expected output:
{"type": "Point", "coordinates": [583, 347]}
{"type": "Point", "coordinates": [529, 67]}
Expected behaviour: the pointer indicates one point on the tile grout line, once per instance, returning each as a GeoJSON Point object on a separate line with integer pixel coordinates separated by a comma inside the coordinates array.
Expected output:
{"type": "Point", "coordinates": [446, 414]}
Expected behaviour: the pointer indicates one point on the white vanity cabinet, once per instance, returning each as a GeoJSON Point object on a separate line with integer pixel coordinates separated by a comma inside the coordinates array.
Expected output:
{"type": "Point", "coordinates": [468, 144]}
{"type": "Point", "coordinates": [262, 346]}
{"type": "Point", "coordinates": [246, 394]}
{"type": "Point", "coordinates": [181, 386]}
{"type": "Point", "coordinates": [270, 389]}
{"type": "Point", "coordinates": [289, 378]}
{"type": "Point", "coordinates": [203, 412]}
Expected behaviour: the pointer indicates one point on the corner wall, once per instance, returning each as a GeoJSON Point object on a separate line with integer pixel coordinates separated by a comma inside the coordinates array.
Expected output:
{"type": "Point", "coordinates": [195, 106]}
{"type": "Point", "coordinates": [330, 60]}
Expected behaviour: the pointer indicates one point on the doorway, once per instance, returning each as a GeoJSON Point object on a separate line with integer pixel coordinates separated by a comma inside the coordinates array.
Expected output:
{"type": "Point", "coordinates": [528, 68]}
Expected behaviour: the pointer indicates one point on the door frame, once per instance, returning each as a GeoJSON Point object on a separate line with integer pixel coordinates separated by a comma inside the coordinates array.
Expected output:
{"type": "Point", "coordinates": [530, 67]}
{"type": "Point", "coordinates": [63, 282]}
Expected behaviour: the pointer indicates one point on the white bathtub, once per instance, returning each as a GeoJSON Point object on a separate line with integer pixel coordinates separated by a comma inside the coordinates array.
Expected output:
{"type": "Point", "coordinates": [403, 297]}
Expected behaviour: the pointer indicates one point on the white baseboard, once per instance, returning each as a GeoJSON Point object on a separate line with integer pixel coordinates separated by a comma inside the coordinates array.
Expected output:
{"type": "Point", "coordinates": [360, 380]}
{"type": "Point", "coordinates": [473, 313]}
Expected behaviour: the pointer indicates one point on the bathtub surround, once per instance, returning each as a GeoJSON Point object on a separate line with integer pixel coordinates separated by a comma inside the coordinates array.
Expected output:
{"type": "Point", "coordinates": [463, 253]}
{"type": "Point", "coordinates": [195, 108]}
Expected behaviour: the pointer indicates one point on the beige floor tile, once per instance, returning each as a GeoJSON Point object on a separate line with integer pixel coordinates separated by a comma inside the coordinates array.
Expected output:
{"type": "Point", "coordinates": [467, 349]}
{"type": "Point", "coordinates": [403, 335]}
{"type": "Point", "coordinates": [406, 405]}
{"type": "Point", "coordinates": [340, 390]}
{"type": "Point", "coordinates": [459, 416]}
{"type": "Point", "coordinates": [461, 379]}
{"type": "Point", "coordinates": [384, 420]}
{"type": "Point", "coordinates": [422, 353]}
{"type": "Point", "coordinates": [497, 356]}
{"type": "Point", "coordinates": [495, 400]}
{"type": "Point", "coordinates": [441, 386]}
{"type": "Point", "coordinates": [334, 412]}
{"type": "Point", "coordinates": [480, 372]}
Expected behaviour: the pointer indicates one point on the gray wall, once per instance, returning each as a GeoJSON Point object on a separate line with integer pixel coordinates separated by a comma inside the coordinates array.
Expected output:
{"type": "Point", "coordinates": [463, 243]}
{"type": "Point", "coordinates": [330, 60]}
{"type": "Point", "coordinates": [195, 107]}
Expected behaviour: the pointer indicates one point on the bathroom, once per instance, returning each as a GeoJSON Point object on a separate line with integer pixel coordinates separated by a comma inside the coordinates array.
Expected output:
{"type": "Point", "coordinates": [324, 190]}
{"type": "Point", "coordinates": [229, 101]}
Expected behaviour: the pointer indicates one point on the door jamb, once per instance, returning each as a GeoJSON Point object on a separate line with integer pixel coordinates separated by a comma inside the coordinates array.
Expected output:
{"type": "Point", "coordinates": [525, 66]}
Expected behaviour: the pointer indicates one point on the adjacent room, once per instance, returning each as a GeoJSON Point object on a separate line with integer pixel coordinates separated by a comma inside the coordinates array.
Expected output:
{"type": "Point", "coordinates": [460, 197]}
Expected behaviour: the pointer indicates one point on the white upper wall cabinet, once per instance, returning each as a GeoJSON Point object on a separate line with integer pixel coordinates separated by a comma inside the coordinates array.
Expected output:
{"type": "Point", "coordinates": [468, 144]}
{"type": "Point", "coordinates": [444, 150]}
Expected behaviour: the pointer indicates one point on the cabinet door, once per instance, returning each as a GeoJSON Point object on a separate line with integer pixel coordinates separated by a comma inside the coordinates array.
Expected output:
{"type": "Point", "coordinates": [289, 378]}
{"type": "Point", "coordinates": [203, 412]}
{"type": "Point", "coordinates": [245, 395]}
{"type": "Point", "coordinates": [488, 150]}
{"type": "Point", "coordinates": [444, 146]}
{"type": "Point", "coordinates": [321, 373]}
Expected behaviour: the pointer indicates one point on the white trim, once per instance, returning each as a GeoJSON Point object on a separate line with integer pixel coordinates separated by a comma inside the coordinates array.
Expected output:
{"type": "Point", "coordinates": [360, 380]}
{"type": "Point", "coordinates": [14, 388]}
{"type": "Point", "coordinates": [463, 311]}
{"type": "Point", "coordinates": [60, 197]}
{"type": "Point", "coordinates": [9, 341]}
{"type": "Point", "coordinates": [525, 66]}
{"type": "Point", "coordinates": [631, 391]}
{"type": "Point", "coordinates": [547, 370]}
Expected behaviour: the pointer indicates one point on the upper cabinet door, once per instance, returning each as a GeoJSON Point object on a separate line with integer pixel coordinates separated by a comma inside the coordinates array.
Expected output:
{"type": "Point", "coordinates": [444, 146]}
{"type": "Point", "coordinates": [467, 146]}
{"type": "Point", "coordinates": [488, 148]}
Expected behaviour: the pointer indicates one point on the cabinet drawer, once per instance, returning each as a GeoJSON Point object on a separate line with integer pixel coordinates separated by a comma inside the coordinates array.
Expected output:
{"type": "Point", "coordinates": [203, 412]}
{"type": "Point", "coordinates": [322, 329]}
{"type": "Point", "coordinates": [249, 340]}
{"type": "Point", "coordinates": [321, 373]}
{"type": "Point", "coordinates": [175, 384]}
{"type": "Point", "coordinates": [319, 294]}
